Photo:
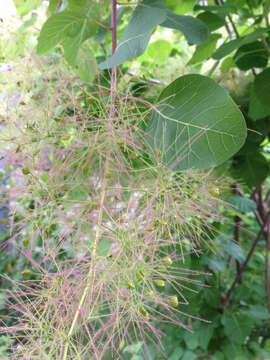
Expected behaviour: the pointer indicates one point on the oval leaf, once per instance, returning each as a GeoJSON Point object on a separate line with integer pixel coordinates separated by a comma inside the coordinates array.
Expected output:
{"type": "Point", "coordinates": [242, 204]}
{"type": "Point", "coordinates": [205, 50]}
{"type": "Point", "coordinates": [236, 327]}
{"type": "Point", "coordinates": [194, 30]}
{"type": "Point", "coordinates": [251, 55]}
{"type": "Point", "coordinates": [253, 169]}
{"type": "Point", "coordinates": [257, 110]}
{"type": "Point", "coordinates": [196, 124]}
{"type": "Point", "coordinates": [87, 67]}
{"type": "Point", "coordinates": [137, 34]}
{"type": "Point", "coordinates": [159, 50]}
{"type": "Point", "coordinates": [212, 21]}
{"type": "Point", "coordinates": [227, 48]}
{"type": "Point", "coordinates": [262, 87]}
{"type": "Point", "coordinates": [180, 7]}
{"type": "Point", "coordinates": [226, 9]}
{"type": "Point", "coordinates": [233, 249]}
{"type": "Point", "coordinates": [68, 26]}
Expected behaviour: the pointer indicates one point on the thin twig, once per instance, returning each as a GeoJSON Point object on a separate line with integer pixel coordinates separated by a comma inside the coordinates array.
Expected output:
{"type": "Point", "coordinates": [244, 265]}
{"type": "Point", "coordinates": [114, 44]}
{"type": "Point", "coordinates": [100, 24]}
{"type": "Point", "coordinates": [127, 4]}
{"type": "Point", "coordinates": [233, 26]}
{"type": "Point", "coordinates": [237, 222]}
{"type": "Point", "coordinates": [148, 80]}
{"type": "Point", "coordinates": [267, 280]}
{"type": "Point", "coordinates": [267, 195]}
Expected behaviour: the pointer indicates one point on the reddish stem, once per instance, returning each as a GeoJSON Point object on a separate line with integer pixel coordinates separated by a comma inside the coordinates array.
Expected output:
{"type": "Point", "coordinates": [244, 265]}
{"type": "Point", "coordinates": [127, 4]}
{"type": "Point", "coordinates": [100, 24]}
{"type": "Point", "coordinates": [114, 44]}
{"type": "Point", "coordinates": [237, 222]}
{"type": "Point", "coordinates": [267, 284]}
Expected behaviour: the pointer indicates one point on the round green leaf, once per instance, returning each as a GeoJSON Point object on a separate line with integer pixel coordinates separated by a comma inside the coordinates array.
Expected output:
{"type": "Point", "coordinates": [180, 7]}
{"type": "Point", "coordinates": [191, 340]}
{"type": "Point", "coordinates": [226, 9]}
{"type": "Point", "coordinates": [159, 49]}
{"type": "Point", "coordinates": [257, 313]}
{"type": "Point", "coordinates": [136, 35]}
{"type": "Point", "coordinates": [87, 67]}
{"type": "Point", "coordinates": [72, 28]}
{"type": "Point", "coordinates": [196, 124]}
{"type": "Point", "coordinates": [233, 249]}
{"type": "Point", "coordinates": [252, 168]}
{"type": "Point", "coordinates": [177, 353]}
{"type": "Point", "coordinates": [205, 333]}
{"type": "Point", "coordinates": [189, 355]}
{"type": "Point", "coordinates": [211, 20]}
{"type": "Point", "coordinates": [56, 29]}
{"type": "Point", "coordinates": [205, 50]}
{"type": "Point", "coordinates": [227, 64]}
{"type": "Point", "coordinates": [218, 356]}
{"type": "Point", "coordinates": [237, 327]}
{"type": "Point", "coordinates": [262, 87]}
{"type": "Point", "coordinates": [242, 204]}
{"type": "Point", "coordinates": [194, 30]}
{"type": "Point", "coordinates": [227, 48]}
{"type": "Point", "coordinates": [257, 110]}
{"type": "Point", "coordinates": [251, 55]}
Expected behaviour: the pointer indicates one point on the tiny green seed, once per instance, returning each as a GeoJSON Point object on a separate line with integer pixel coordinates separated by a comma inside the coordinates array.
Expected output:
{"type": "Point", "coordinates": [162, 222]}
{"type": "Point", "coordinates": [25, 171]}
{"type": "Point", "coordinates": [122, 345]}
{"type": "Point", "coordinates": [56, 118]}
{"type": "Point", "coordinates": [157, 153]}
{"type": "Point", "coordinates": [134, 79]}
{"type": "Point", "coordinates": [91, 100]}
{"type": "Point", "coordinates": [167, 261]}
{"type": "Point", "coordinates": [162, 269]}
{"type": "Point", "coordinates": [26, 272]}
{"type": "Point", "coordinates": [215, 191]}
{"type": "Point", "coordinates": [141, 275]}
{"type": "Point", "coordinates": [133, 155]}
{"type": "Point", "coordinates": [25, 242]}
{"type": "Point", "coordinates": [159, 282]}
{"type": "Point", "coordinates": [131, 285]}
{"type": "Point", "coordinates": [173, 301]}
{"type": "Point", "coordinates": [144, 312]}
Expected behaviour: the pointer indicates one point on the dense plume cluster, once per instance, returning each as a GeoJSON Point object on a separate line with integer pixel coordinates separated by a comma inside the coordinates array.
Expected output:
{"type": "Point", "coordinates": [104, 229]}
